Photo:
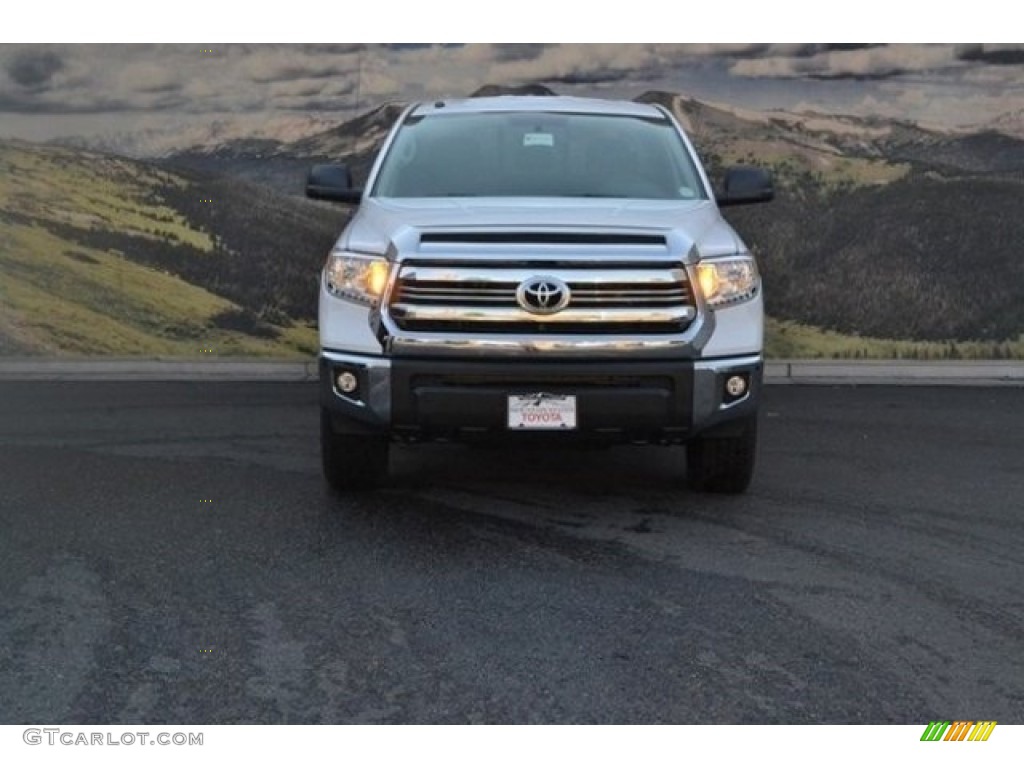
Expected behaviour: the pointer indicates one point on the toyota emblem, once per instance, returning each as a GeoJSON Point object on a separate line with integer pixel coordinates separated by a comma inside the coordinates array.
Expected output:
{"type": "Point", "coordinates": [543, 295]}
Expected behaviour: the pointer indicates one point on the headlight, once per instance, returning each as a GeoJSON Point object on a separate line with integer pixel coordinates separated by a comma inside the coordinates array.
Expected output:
{"type": "Point", "coordinates": [355, 277]}
{"type": "Point", "coordinates": [728, 281]}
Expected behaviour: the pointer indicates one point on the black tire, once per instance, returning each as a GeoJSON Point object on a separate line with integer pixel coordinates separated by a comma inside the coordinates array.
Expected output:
{"type": "Point", "coordinates": [723, 464]}
{"type": "Point", "coordinates": [352, 462]}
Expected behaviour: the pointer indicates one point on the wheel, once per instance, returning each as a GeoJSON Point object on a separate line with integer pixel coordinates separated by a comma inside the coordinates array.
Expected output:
{"type": "Point", "coordinates": [723, 464]}
{"type": "Point", "coordinates": [350, 461]}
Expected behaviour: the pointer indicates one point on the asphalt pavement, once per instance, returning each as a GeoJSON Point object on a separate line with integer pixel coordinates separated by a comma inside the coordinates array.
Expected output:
{"type": "Point", "coordinates": [169, 554]}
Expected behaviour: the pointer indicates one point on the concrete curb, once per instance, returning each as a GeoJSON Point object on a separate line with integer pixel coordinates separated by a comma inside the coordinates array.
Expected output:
{"type": "Point", "coordinates": [824, 372]}
{"type": "Point", "coordinates": [979, 373]}
{"type": "Point", "coordinates": [157, 370]}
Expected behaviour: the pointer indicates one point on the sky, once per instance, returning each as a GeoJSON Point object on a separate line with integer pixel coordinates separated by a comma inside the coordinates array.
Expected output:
{"type": "Point", "coordinates": [49, 90]}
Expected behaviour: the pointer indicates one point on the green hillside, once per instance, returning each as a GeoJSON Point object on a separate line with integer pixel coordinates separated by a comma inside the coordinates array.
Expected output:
{"type": "Point", "coordinates": [61, 294]}
{"type": "Point", "coordinates": [785, 339]}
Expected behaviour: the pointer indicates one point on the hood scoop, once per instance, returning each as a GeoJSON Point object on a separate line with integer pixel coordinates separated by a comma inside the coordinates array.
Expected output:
{"type": "Point", "coordinates": [541, 238]}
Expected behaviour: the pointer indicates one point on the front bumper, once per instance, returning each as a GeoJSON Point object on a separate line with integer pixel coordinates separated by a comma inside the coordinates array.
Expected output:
{"type": "Point", "coordinates": [617, 401]}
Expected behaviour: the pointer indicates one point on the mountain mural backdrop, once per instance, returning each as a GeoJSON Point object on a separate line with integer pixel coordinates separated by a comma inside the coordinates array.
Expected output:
{"type": "Point", "coordinates": [887, 239]}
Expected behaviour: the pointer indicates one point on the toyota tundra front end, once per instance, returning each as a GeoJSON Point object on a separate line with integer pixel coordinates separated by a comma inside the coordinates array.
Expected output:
{"type": "Point", "coordinates": [540, 268]}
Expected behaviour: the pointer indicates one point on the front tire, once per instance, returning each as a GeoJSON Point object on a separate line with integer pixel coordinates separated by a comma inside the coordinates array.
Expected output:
{"type": "Point", "coordinates": [723, 464]}
{"type": "Point", "coordinates": [351, 462]}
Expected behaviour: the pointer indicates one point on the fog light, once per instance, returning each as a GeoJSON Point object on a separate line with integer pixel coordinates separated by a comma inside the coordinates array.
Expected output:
{"type": "Point", "coordinates": [347, 382]}
{"type": "Point", "coordinates": [736, 386]}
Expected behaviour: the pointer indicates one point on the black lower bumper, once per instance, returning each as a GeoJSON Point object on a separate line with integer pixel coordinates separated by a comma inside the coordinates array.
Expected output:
{"type": "Point", "coordinates": [624, 401]}
{"type": "Point", "coordinates": [635, 401]}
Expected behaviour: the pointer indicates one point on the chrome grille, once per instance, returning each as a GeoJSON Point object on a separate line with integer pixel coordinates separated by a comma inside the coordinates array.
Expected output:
{"type": "Point", "coordinates": [605, 298]}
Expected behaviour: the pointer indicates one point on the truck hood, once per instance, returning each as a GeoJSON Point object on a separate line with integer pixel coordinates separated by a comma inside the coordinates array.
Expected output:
{"type": "Point", "coordinates": [391, 226]}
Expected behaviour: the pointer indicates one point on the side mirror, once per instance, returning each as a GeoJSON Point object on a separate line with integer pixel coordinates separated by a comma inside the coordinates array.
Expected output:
{"type": "Point", "coordinates": [331, 181]}
{"type": "Point", "coordinates": [744, 185]}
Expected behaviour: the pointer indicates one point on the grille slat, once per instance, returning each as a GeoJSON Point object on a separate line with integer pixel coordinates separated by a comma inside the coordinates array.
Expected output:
{"type": "Point", "coordinates": [471, 297]}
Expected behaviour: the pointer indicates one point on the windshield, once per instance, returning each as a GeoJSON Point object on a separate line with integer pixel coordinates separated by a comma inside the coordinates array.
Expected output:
{"type": "Point", "coordinates": [538, 154]}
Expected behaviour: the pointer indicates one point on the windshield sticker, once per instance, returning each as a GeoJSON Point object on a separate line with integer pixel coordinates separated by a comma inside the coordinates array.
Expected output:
{"type": "Point", "coordinates": [538, 140]}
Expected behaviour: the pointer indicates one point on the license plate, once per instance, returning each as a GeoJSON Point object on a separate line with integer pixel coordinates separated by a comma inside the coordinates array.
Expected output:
{"type": "Point", "coordinates": [542, 411]}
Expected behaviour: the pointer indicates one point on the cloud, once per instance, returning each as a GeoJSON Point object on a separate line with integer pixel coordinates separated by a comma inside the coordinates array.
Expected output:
{"type": "Point", "coordinates": [149, 77]}
{"type": "Point", "coordinates": [244, 77]}
{"type": "Point", "coordinates": [198, 79]}
{"type": "Point", "coordinates": [764, 50]}
{"type": "Point", "coordinates": [591, 76]}
{"type": "Point", "coordinates": [1000, 79]}
{"type": "Point", "coordinates": [33, 69]}
{"type": "Point", "coordinates": [276, 64]}
{"type": "Point", "coordinates": [827, 47]}
{"type": "Point", "coordinates": [312, 94]}
{"type": "Point", "coordinates": [593, 64]}
{"type": "Point", "coordinates": [518, 51]}
{"type": "Point", "coordinates": [1000, 55]}
{"type": "Point", "coordinates": [850, 62]}
{"type": "Point", "coordinates": [333, 48]}
{"type": "Point", "coordinates": [580, 65]}
{"type": "Point", "coordinates": [82, 79]}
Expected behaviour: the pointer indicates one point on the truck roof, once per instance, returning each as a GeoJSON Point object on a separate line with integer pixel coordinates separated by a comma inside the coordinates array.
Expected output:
{"type": "Point", "coordinates": [537, 104]}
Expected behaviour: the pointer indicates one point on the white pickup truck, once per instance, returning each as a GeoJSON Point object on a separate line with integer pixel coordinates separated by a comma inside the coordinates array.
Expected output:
{"type": "Point", "coordinates": [540, 268]}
